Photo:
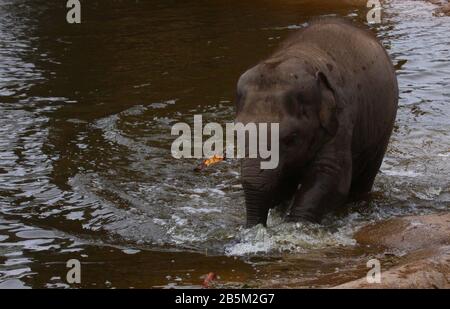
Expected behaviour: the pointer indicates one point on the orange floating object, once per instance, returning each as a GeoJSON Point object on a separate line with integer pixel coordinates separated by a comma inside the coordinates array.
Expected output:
{"type": "Point", "coordinates": [213, 160]}
{"type": "Point", "coordinates": [209, 279]}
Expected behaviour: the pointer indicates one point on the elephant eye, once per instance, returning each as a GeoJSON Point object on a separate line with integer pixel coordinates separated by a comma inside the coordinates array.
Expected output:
{"type": "Point", "coordinates": [290, 139]}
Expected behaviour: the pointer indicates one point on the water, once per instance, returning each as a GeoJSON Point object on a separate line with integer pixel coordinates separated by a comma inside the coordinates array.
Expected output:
{"type": "Point", "coordinates": [86, 170]}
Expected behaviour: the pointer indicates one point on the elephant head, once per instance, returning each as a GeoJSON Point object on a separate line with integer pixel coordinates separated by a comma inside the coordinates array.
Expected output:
{"type": "Point", "coordinates": [298, 97]}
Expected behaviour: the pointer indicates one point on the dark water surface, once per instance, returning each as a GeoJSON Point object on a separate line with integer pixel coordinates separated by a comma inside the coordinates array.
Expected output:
{"type": "Point", "coordinates": [85, 165]}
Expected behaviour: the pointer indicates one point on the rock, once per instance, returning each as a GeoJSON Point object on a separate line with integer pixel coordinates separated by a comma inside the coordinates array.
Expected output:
{"type": "Point", "coordinates": [408, 233]}
{"type": "Point", "coordinates": [443, 7]}
{"type": "Point", "coordinates": [430, 271]}
{"type": "Point", "coordinates": [443, 10]}
{"type": "Point", "coordinates": [425, 241]}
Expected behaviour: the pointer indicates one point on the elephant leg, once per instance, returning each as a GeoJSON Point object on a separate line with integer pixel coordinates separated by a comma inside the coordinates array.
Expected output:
{"type": "Point", "coordinates": [363, 180]}
{"type": "Point", "coordinates": [326, 186]}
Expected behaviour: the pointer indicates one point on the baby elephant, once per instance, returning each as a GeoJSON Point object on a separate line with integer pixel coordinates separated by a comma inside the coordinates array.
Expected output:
{"type": "Point", "coordinates": [333, 90]}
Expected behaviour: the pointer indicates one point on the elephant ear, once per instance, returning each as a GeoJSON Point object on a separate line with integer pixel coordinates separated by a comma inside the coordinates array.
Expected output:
{"type": "Point", "coordinates": [328, 108]}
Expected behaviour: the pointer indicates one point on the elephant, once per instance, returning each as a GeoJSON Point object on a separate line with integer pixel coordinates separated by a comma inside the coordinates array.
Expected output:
{"type": "Point", "coordinates": [332, 88]}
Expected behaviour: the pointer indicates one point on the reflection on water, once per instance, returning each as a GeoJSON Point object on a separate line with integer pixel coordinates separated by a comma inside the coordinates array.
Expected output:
{"type": "Point", "coordinates": [86, 171]}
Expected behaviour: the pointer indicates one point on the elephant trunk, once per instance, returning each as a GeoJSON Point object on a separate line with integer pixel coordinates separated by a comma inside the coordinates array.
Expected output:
{"type": "Point", "coordinates": [257, 208]}
{"type": "Point", "coordinates": [258, 188]}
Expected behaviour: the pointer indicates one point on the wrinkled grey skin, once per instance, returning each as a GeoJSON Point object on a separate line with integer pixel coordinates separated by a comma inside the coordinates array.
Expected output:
{"type": "Point", "coordinates": [333, 89]}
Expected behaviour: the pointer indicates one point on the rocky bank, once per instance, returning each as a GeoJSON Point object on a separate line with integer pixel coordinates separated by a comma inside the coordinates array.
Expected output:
{"type": "Point", "coordinates": [424, 244]}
